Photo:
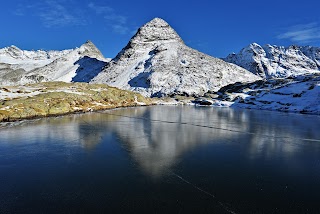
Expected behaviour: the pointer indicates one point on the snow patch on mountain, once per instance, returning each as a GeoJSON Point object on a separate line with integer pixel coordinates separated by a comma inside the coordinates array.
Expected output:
{"type": "Point", "coordinates": [300, 94]}
{"type": "Point", "coordinates": [156, 62]}
{"type": "Point", "coordinates": [271, 61]}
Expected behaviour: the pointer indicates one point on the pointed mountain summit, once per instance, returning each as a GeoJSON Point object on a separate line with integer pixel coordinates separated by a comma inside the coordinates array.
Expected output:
{"type": "Point", "coordinates": [156, 30]}
{"type": "Point", "coordinates": [156, 62]}
{"type": "Point", "coordinates": [90, 50]}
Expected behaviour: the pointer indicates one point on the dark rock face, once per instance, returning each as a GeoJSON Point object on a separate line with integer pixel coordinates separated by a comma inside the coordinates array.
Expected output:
{"type": "Point", "coordinates": [203, 102]}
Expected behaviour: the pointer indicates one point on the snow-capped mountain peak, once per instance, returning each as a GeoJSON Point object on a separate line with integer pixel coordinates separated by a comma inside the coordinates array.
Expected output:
{"type": "Point", "coordinates": [14, 51]}
{"type": "Point", "coordinates": [313, 53]}
{"type": "Point", "coordinates": [156, 62]}
{"type": "Point", "coordinates": [271, 61]}
{"type": "Point", "coordinates": [89, 49]}
{"type": "Point", "coordinates": [21, 66]}
{"type": "Point", "coordinates": [156, 30]}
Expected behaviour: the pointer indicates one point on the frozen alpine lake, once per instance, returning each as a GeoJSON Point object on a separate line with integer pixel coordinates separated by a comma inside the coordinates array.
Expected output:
{"type": "Point", "coordinates": [162, 159]}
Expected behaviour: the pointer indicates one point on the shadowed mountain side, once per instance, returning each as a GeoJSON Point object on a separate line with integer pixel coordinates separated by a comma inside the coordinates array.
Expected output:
{"type": "Point", "coordinates": [141, 80]}
{"type": "Point", "coordinates": [88, 69]}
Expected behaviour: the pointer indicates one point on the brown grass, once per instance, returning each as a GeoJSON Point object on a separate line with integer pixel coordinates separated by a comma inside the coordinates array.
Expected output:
{"type": "Point", "coordinates": [58, 98]}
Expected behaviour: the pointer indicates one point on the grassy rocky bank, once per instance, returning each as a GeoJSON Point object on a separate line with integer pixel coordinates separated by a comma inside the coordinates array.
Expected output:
{"type": "Point", "coordinates": [59, 98]}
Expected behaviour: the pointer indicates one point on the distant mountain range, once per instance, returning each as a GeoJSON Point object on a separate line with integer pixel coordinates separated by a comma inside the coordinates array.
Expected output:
{"type": "Point", "coordinates": [78, 65]}
{"type": "Point", "coordinates": [271, 61]}
{"type": "Point", "coordinates": [156, 63]}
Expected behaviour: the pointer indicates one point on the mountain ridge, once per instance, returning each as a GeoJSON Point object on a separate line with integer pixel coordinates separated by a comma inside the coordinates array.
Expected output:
{"type": "Point", "coordinates": [272, 61]}
{"type": "Point", "coordinates": [19, 67]}
{"type": "Point", "coordinates": [156, 62]}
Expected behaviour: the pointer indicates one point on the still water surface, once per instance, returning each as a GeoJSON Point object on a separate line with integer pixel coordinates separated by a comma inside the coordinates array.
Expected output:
{"type": "Point", "coordinates": [162, 159]}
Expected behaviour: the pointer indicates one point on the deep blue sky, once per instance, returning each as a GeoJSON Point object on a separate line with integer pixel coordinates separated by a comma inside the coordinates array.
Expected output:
{"type": "Point", "coordinates": [214, 27]}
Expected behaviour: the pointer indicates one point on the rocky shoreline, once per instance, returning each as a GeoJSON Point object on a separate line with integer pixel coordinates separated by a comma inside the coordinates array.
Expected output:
{"type": "Point", "coordinates": [60, 98]}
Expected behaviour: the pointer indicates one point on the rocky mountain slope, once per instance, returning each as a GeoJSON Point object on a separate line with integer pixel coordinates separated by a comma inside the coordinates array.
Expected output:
{"type": "Point", "coordinates": [21, 67]}
{"type": "Point", "coordinates": [156, 62]}
{"type": "Point", "coordinates": [271, 61]}
{"type": "Point", "coordinates": [299, 94]}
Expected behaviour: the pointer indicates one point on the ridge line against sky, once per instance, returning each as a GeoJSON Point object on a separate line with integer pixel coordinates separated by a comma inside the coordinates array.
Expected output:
{"type": "Point", "coordinates": [216, 28]}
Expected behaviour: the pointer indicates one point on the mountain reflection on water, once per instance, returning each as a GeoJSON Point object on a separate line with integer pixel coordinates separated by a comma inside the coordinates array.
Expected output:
{"type": "Point", "coordinates": [158, 137]}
